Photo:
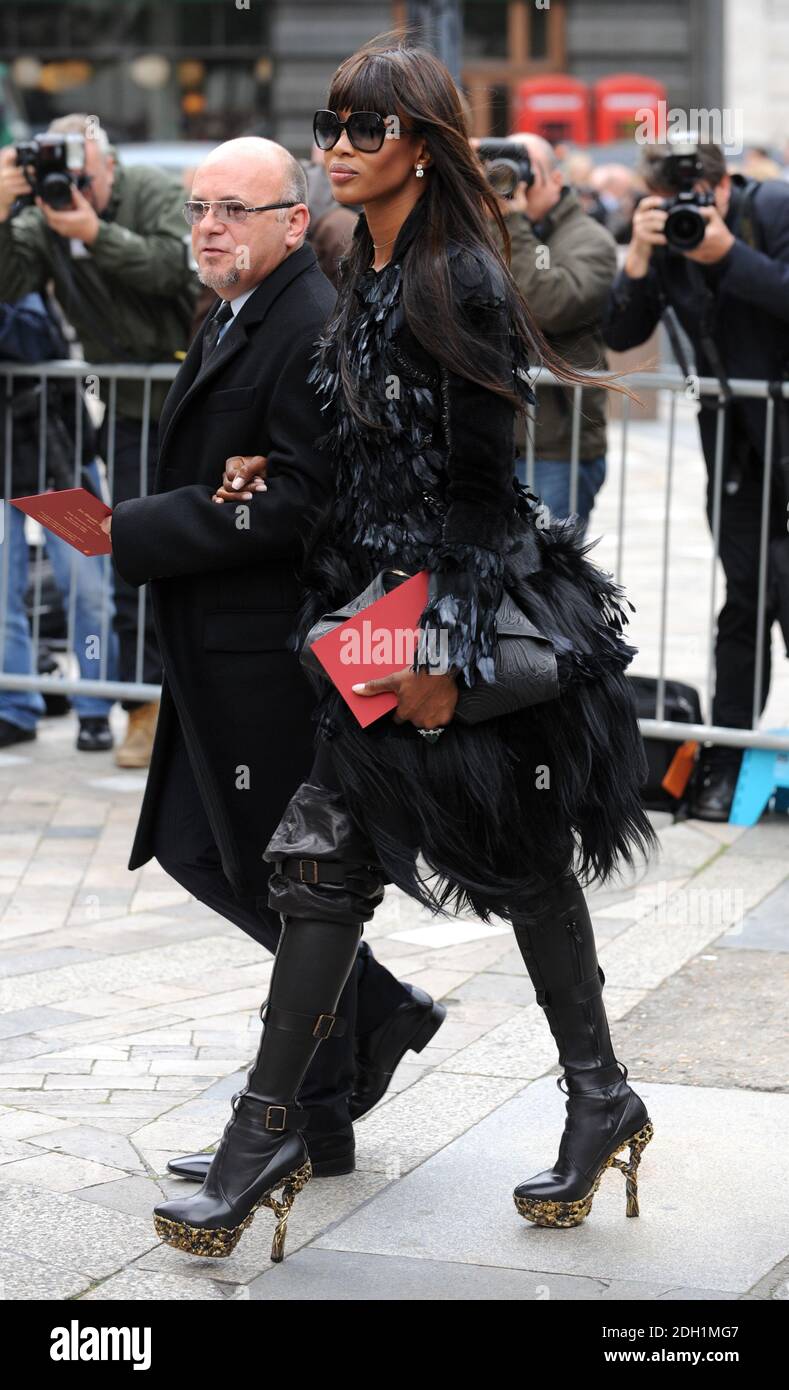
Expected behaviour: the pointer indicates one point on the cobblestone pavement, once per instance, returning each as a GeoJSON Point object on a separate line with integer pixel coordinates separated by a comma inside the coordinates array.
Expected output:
{"type": "Point", "coordinates": [129, 1015]}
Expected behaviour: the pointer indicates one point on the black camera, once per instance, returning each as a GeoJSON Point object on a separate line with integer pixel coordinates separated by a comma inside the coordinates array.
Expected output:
{"type": "Point", "coordinates": [507, 164]}
{"type": "Point", "coordinates": [685, 227]}
{"type": "Point", "coordinates": [53, 165]}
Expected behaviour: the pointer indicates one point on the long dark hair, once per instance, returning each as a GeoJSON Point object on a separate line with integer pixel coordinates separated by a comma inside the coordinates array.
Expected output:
{"type": "Point", "coordinates": [393, 76]}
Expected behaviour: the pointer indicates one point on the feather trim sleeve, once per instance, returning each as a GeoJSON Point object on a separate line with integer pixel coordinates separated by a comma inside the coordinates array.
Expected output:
{"type": "Point", "coordinates": [466, 570]}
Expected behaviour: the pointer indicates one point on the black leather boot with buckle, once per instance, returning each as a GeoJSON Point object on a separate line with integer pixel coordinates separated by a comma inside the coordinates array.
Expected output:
{"type": "Point", "coordinates": [262, 1148]}
{"type": "Point", "coordinates": [332, 1149]}
{"type": "Point", "coordinates": [604, 1114]}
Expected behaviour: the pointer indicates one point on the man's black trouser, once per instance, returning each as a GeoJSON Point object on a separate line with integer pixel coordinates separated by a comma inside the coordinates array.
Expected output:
{"type": "Point", "coordinates": [125, 485]}
{"type": "Point", "coordinates": [185, 847]}
{"type": "Point", "coordinates": [735, 646]}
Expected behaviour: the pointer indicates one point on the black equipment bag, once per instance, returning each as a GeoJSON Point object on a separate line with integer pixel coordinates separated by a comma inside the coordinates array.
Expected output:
{"type": "Point", "coordinates": [681, 705]}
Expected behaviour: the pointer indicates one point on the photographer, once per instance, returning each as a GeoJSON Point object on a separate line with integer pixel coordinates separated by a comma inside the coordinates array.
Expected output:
{"type": "Point", "coordinates": [29, 333]}
{"type": "Point", "coordinates": [113, 241]}
{"type": "Point", "coordinates": [718, 255]}
{"type": "Point", "coordinates": [563, 263]}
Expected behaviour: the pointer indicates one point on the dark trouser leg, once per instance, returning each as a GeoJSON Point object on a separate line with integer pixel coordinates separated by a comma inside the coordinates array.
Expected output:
{"type": "Point", "coordinates": [556, 939]}
{"type": "Point", "coordinates": [126, 483]}
{"type": "Point", "coordinates": [716, 774]}
{"type": "Point", "coordinates": [735, 646]}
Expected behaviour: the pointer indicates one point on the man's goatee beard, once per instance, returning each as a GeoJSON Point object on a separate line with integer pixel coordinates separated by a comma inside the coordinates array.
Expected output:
{"type": "Point", "coordinates": [220, 279]}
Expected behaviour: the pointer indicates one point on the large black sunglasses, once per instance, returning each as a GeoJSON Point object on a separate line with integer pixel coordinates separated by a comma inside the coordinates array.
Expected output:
{"type": "Point", "coordinates": [366, 130]}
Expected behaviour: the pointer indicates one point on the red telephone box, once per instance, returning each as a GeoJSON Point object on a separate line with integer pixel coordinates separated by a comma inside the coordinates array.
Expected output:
{"type": "Point", "coordinates": [556, 107]}
{"type": "Point", "coordinates": [618, 98]}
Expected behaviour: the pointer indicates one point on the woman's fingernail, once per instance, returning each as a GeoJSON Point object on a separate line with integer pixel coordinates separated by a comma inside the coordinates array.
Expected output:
{"type": "Point", "coordinates": [237, 483]}
{"type": "Point", "coordinates": [358, 688]}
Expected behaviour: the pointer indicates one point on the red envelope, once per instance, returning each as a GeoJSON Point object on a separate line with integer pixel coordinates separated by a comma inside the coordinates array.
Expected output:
{"type": "Point", "coordinates": [72, 513]}
{"type": "Point", "coordinates": [376, 642]}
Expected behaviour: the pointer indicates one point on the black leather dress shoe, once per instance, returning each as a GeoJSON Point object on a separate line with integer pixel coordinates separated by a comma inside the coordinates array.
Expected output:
{"type": "Point", "coordinates": [95, 735]}
{"type": "Point", "coordinates": [411, 1026]}
{"type": "Point", "coordinates": [715, 784]}
{"type": "Point", "coordinates": [331, 1155]}
{"type": "Point", "coordinates": [12, 733]}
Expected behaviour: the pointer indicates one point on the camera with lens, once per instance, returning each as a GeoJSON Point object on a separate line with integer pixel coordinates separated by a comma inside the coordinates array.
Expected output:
{"type": "Point", "coordinates": [685, 227]}
{"type": "Point", "coordinates": [53, 165]}
{"type": "Point", "coordinates": [507, 164]}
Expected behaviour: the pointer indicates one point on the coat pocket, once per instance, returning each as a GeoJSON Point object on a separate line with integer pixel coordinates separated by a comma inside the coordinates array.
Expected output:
{"type": "Point", "coordinates": [235, 398]}
{"type": "Point", "coordinates": [248, 630]}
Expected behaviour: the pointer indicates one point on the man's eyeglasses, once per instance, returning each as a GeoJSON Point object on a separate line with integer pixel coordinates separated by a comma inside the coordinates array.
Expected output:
{"type": "Point", "coordinates": [227, 210]}
{"type": "Point", "coordinates": [366, 130]}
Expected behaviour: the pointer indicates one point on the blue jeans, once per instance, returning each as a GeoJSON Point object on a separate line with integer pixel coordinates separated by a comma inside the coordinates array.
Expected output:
{"type": "Point", "coordinates": [92, 627]}
{"type": "Point", "coordinates": [552, 484]}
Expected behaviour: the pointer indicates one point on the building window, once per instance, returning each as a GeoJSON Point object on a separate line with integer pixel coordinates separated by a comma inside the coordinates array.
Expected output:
{"type": "Point", "coordinates": [505, 41]}
{"type": "Point", "coordinates": [485, 29]}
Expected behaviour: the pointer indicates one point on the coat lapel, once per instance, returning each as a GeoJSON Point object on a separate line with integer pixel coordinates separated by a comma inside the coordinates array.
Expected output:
{"type": "Point", "coordinates": [193, 378]}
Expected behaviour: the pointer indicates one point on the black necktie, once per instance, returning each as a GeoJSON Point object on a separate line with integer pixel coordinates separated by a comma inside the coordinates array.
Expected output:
{"type": "Point", "coordinates": [213, 328]}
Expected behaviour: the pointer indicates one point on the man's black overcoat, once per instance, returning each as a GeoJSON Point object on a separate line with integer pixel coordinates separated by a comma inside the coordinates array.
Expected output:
{"type": "Point", "coordinates": [223, 578]}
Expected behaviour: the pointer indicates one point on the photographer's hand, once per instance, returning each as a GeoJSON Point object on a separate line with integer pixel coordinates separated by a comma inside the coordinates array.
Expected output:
{"type": "Point", "coordinates": [13, 183]}
{"type": "Point", "coordinates": [649, 219]}
{"type": "Point", "coordinates": [80, 220]}
{"type": "Point", "coordinates": [718, 240]}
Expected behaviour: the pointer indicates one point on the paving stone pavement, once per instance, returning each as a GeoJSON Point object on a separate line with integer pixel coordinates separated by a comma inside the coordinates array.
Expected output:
{"type": "Point", "coordinates": [129, 1015]}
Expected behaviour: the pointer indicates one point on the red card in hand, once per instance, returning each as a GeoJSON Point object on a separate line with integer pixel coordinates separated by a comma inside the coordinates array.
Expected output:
{"type": "Point", "coordinates": [376, 642]}
{"type": "Point", "coordinates": [72, 513]}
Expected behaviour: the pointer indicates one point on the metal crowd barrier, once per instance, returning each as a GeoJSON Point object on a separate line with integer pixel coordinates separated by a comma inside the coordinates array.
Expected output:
{"type": "Point", "coordinates": [670, 381]}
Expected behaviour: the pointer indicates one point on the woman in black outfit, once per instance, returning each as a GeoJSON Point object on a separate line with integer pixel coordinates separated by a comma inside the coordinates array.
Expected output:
{"type": "Point", "coordinates": [422, 368]}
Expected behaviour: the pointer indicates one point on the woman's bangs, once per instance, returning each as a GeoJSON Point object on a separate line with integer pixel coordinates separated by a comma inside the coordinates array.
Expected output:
{"type": "Point", "coordinates": [364, 84]}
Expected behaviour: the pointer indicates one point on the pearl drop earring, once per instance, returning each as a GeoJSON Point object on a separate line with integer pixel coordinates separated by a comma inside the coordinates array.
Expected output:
{"type": "Point", "coordinates": [420, 173]}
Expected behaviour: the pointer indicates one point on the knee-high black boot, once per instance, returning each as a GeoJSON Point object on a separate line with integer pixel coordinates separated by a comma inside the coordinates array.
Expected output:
{"type": "Point", "coordinates": [604, 1115]}
{"type": "Point", "coordinates": [262, 1147]}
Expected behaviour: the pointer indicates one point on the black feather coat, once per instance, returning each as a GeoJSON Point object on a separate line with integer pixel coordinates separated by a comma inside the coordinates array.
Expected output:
{"type": "Point", "coordinates": [490, 811]}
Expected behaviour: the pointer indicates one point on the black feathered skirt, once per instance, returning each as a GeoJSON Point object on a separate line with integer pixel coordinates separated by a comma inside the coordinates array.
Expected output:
{"type": "Point", "coordinates": [490, 812]}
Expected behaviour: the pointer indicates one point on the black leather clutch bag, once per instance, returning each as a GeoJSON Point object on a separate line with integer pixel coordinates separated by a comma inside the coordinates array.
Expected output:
{"type": "Point", "coordinates": [525, 664]}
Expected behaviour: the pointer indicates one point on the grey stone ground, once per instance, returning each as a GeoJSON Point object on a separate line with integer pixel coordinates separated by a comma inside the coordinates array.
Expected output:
{"type": "Point", "coordinates": [129, 1014]}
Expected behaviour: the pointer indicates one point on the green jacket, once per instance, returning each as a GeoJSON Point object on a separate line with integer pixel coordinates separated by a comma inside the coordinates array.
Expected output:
{"type": "Point", "coordinates": [136, 291]}
{"type": "Point", "coordinates": [566, 293]}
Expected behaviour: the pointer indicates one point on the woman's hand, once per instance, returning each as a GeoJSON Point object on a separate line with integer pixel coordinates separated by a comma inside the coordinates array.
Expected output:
{"type": "Point", "coordinates": [242, 471]}
{"type": "Point", "coordinates": [426, 700]}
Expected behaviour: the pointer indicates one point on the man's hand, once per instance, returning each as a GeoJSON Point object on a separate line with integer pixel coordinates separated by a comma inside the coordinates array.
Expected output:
{"type": "Point", "coordinates": [106, 526]}
{"type": "Point", "coordinates": [242, 471]}
{"type": "Point", "coordinates": [649, 219]}
{"type": "Point", "coordinates": [80, 220]}
{"type": "Point", "coordinates": [718, 240]}
{"type": "Point", "coordinates": [13, 183]}
{"type": "Point", "coordinates": [424, 699]}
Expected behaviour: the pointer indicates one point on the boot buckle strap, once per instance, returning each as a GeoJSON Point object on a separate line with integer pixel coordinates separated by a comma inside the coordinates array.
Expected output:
{"type": "Point", "coordinates": [324, 1026]}
{"type": "Point", "coordinates": [314, 871]}
{"type": "Point", "coordinates": [588, 1082]}
{"type": "Point", "coordinates": [270, 1123]}
{"type": "Point", "coordinates": [572, 994]}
